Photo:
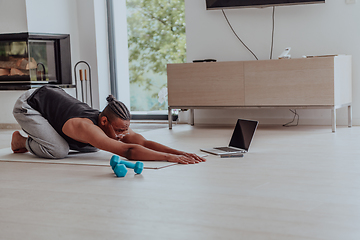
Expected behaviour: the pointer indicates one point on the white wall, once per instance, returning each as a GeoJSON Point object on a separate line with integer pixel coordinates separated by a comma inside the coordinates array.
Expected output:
{"type": "Point", "coordinates": [93, 46]}
{"type": "Point", "coordinates": [76, 18]}
{"type": "Point", "coordinates": [13, 16]}
{"type": "Point", "coordinates": [84, 20]}
{"type": "Point", "coordinates": [52, 16]}
{"type": "Point", "coordinates": [315, 29]}
{"type": "Point", "coordinates": [16, 11]}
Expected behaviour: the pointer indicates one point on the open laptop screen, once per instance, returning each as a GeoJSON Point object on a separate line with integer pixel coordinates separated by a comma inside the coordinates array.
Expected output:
{"type": "Point", "coordinates": [243, 134]}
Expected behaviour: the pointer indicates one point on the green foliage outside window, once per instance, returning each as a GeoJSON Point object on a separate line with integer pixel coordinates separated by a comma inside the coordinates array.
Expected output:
{"type": "Point", "coordinates": [156, 37]}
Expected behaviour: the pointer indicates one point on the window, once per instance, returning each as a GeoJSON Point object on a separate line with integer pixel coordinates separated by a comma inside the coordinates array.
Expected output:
{"type": "Point", "coordinates": [156, 37]}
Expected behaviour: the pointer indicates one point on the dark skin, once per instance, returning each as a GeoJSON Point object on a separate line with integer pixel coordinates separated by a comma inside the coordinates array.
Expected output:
{"type": "Point", "coordinates": [118, 138]}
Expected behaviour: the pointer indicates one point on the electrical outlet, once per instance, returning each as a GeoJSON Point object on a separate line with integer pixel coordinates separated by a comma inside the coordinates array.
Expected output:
{"type": "Point", "coordinates": [350, 1]}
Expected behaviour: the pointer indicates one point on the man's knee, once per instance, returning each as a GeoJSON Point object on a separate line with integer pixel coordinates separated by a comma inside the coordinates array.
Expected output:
{"type": "Point", "coordinates": [49, 151]}
{"type": "Point", "coordinates": [60, 151]}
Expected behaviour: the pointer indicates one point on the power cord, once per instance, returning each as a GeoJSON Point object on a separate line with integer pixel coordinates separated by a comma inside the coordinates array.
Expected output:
{"type": "Point", "coordinates": [272, 33]}
{"type": "Point", "coordinates": [238, 36]}
{"type": "Point", "coordinates": [295, 115]}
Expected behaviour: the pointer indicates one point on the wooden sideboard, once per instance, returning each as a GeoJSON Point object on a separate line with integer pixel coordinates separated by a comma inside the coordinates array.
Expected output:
{"type": "Point", "coordinates": [316, 82]}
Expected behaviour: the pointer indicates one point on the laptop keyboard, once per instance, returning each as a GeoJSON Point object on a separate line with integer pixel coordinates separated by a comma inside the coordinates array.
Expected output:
{"type": "Point", "coordinates": [226, 149]}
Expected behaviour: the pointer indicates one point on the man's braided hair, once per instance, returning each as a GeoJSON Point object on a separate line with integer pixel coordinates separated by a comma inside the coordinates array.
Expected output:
{"type": "Point", "coordinates": [115, 109]}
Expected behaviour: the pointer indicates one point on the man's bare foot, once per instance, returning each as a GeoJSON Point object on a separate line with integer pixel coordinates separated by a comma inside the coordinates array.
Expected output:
{"type": "Point", "coordinates": [18, 143]}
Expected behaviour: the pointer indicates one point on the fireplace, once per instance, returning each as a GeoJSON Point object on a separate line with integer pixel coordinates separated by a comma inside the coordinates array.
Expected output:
{"type": "Point", "coordinates": [31, 59]}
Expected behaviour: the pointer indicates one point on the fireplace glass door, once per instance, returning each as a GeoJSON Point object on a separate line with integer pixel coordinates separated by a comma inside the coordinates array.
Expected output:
{"type": "Point", "coordinates": [43, 54]}
{"type": "Point", "coordinates": [27, 61]}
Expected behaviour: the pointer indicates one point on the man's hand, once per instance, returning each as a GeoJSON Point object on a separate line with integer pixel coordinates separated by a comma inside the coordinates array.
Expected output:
{"type": "Point", "coordinates": [194, 156]}
{"type": "Point", "coordinates": [186, 158]}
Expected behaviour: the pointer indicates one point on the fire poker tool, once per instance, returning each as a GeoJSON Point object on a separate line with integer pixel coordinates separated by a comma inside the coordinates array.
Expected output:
{"type": "Point", "coordinates": [87, 79]}
{"type": "Point", "coordinates": [86, 88]}
{"type": "Point", "coordinates": [82, 85]}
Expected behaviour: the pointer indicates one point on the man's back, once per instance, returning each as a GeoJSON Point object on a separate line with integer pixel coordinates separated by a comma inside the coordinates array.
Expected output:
{"type": "Point", "coordinates": [57, 107]}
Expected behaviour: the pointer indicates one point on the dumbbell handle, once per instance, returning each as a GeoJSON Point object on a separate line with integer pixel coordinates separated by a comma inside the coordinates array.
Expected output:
{"type": "Point", "coordinates": [127, 164]}
{"type": "Point", "coordinates": [138, 166]}
{"type": "Point", "coordinates": [116, 159]}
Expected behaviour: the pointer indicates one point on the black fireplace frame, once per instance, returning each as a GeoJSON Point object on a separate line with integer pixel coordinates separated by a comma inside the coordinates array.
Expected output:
{"type": "Point", "coordinates": [62, 58]}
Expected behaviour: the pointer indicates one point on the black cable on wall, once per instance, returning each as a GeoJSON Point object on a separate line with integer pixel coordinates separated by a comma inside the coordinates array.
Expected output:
{"type": "Point", "coordinates": [227, 20]}
{"type": "Point", "coordinates": [272, 32]}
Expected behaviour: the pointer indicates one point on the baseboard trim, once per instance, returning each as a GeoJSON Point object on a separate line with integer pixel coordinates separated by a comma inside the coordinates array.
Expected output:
{"type": "Point", "coordinates": [9, 126]}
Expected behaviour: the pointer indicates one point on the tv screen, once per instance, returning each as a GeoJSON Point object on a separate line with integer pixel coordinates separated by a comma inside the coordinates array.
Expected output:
{"type": "Point", "coordinates": [219, 4]}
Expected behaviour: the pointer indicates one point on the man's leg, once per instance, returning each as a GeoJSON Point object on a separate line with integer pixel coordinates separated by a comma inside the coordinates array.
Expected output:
{"type": "Point", "coordinates": [43, 140]}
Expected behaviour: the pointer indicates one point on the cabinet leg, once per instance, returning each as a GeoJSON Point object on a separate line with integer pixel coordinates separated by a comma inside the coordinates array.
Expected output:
{"type": "Point", "coordinates": [349, 116]}
{"type": "Point", "coordinates": [333, 119]}
{"type": "Point", "coordinates": [192, 117]}
{"type": "Point", "coordinates": [169, 118]}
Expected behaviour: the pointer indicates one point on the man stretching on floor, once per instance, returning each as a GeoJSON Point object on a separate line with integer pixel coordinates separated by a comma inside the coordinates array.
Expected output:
{"type": "Point", "coordinates": [55, 123]}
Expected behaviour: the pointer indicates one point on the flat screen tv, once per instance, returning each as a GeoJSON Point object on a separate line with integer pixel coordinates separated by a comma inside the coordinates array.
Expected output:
{"type": "Point", "coordinates": [220, 4]}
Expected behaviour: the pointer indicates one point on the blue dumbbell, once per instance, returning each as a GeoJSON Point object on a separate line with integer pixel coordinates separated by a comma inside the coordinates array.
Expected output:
{"type": "Point", "coordinates": [114, 160]}
{"type": "Point", "coordinates": [138, 166]}
{"type": "Point", "coordinates": [120, 170]}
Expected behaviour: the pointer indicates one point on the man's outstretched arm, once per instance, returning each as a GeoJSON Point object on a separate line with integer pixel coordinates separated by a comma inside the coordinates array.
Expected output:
{"type": "Point", "coordinates": [83, 130]}
{"type": "Point", "coordinates": [136, 138]}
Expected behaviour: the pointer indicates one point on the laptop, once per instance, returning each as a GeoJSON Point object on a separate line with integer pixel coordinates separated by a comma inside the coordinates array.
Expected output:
{"type": "Point", "coordinates": [240, 141]}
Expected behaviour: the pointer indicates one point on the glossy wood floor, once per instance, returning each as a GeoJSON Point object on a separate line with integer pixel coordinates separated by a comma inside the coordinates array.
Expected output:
{"type": "Point", "coordinates": [295, 183]}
